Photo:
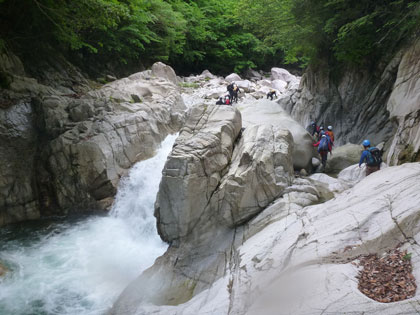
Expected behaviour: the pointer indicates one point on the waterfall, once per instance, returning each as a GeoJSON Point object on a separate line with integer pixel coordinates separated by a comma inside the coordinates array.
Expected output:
{"type": "Point", "coordinates": [81, 267]}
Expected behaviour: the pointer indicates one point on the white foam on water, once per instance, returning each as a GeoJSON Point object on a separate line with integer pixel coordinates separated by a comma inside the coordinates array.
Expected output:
{"type": "Point", "coordinates": [82, 268]}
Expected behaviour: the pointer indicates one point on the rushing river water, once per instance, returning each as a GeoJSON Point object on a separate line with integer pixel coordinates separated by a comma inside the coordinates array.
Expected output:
{"type": "Point", "coordinates": [81, 265]}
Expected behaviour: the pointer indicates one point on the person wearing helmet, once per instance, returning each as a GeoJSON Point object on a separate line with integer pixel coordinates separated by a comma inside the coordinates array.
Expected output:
{"type": "Point", "coordinates": [313, 129]}
{"type": "Point", "coordinates": [271, 94]}
{"type": "Point", "coordinates": [372, 156]}
{"type": "Point", "coordinates": [330, 133]}
{"type": "Point", "coordinates": [324, 146]}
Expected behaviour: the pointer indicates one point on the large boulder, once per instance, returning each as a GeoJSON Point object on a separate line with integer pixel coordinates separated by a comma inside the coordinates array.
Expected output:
{"type": "Point", "coordinates": [161, 70]}
{"type": "Point", "coordinates": [194, 168]}
{"type": "Point", "coordinates": [267, 112]}
{"type": "Point", "coordinates": [260, 170]}
{"type": "Point", "coordinates": [279, 85]}
{"type": "Point", "coordinates": [342, 157]}
{"type": "Point", "coordinates": [281, 74]}
{"type": "Point", "coordinates": [245, 85]}
{"type": "Point", "coordinates": [233, 77]}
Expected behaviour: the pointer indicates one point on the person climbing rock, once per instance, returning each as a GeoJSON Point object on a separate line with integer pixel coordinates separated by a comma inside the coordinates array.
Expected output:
{"type": "Point", "coordinates": [220, 101]}
{"type": "Point", "coordinates": [271, 94]}
{"type": "Point", "coordinates": [372, 156]}
{"type": "Point", "coordinates": [330, 133]}
{"type": "Point", "coordinates": [324, 146]}
{"type": "Point", "coordinates": [313, 129]}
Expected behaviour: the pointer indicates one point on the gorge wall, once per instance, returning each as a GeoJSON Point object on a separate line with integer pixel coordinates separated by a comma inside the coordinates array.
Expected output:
{"type": "Point", "coordinates": [65, 146]}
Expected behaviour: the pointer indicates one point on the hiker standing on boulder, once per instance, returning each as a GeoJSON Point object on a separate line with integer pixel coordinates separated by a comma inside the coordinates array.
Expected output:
{"type": "Point", "coordinates": [235, 93]}
{"type": "Point", "coordinates": [373, 157]}
{"type": "Point", "coordinates": [230, 88]}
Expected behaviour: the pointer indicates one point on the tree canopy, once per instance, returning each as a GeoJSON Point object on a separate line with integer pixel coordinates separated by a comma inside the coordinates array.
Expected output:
{"type": "Point", "coordinates": [221, 35]}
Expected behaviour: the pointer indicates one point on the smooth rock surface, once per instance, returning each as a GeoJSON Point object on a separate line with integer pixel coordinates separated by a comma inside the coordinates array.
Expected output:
{"type": "Point", "coordinates": [267, 112]}
{"type": "Point", "coordinates": [194, 168]}
{"type": "Point", "coordinates": [292, 258]}
{"type": "Point", "coordinates": [233, 77]}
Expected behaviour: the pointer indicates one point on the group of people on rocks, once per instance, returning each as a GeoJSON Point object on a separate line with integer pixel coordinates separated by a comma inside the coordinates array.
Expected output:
{"type": "Point", "coordinates": [372, 156]}
{"type": "Point", "coordinates": [232, 96]}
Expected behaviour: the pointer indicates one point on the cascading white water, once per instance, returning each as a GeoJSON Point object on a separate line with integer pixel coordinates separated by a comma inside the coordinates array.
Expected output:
{"type": "Point", "coordinates": [81, 268]}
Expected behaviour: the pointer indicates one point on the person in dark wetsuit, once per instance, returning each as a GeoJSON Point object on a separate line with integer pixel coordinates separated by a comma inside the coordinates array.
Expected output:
{"type": "Point", "coordinates": [271, 94]}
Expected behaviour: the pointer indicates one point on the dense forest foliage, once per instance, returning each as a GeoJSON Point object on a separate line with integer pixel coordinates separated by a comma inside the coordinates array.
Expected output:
{"type": "Point", "coordinates": [221, 35]}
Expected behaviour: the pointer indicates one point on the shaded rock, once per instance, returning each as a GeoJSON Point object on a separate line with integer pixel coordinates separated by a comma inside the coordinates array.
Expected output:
{"type": "Point", "coordinates": [404, 108]}
{"type": "Point", "coordinates": [110, 77]}
{"type": "Point", "coordinates": [73, 150]}
{"type": "Point", "coordinates": [342, 157]}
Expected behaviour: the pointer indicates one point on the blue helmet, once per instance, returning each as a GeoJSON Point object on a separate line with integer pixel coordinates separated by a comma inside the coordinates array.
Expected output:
{"type": "Point", "coordinates": [366, 143]}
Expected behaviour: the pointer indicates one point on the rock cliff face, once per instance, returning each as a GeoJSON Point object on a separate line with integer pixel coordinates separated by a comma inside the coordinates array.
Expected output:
{"type": "Point", "coordinates": [64, 151]}
{"type": "Point", "coordinates": [381, 104]}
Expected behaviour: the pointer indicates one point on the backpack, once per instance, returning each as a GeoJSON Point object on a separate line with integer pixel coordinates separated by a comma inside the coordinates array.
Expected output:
{"type": "Point", "coordinates": [323, 144]}
{"type": "Point", "coordinates": [227, 102]}
{"type": "Point", "coordinates": [374, 157]}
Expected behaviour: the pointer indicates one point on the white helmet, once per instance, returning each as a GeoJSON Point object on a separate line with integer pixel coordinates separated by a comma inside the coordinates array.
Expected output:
{"type": "Point", "coordinates": [329, 127]}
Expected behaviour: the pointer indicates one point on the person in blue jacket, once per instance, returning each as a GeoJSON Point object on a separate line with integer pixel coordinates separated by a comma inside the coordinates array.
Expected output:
{"type": "Point", "coordinates": [372, 156]}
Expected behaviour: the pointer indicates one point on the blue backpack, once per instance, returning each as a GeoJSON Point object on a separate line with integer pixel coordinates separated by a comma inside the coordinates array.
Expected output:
{"type": "Point", "coordinates": [374, 157]}
{"type": "Point", "coordinates": [324, 144]}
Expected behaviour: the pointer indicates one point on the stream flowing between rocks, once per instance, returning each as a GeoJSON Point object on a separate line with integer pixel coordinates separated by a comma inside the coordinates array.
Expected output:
{"type": "Point", "coordinates": [81, 265]}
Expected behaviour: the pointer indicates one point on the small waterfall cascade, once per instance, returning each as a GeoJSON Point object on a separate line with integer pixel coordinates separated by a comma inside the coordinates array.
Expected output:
{"type": "Point", "coordinates": [80, 267]}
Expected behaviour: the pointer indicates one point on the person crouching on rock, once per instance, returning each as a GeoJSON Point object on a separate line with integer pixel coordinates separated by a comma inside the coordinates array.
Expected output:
{"type": "Point", "coordinates": [373, 157]}
{"type": "Point", "coordinates": [220, 101]}
{"type": "Point", "coordinates": [271, 94]}
{"type": "Point", "coordinates": [324, 146]}
{"type": "Point", "coordinates": [227, 100]}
